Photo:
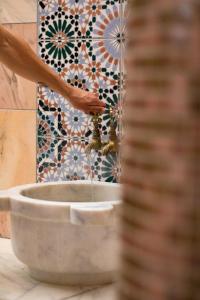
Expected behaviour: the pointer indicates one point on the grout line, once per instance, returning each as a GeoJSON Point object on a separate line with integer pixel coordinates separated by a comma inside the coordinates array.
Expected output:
{"type": "Point", "coordinates": [36, 139]}
{"type": "Point", "coordinates": [18, 109]}
{"type": "Point", "coordinates": [37, 93]}
{"type": "Point", "coordinates": [19, 23]}
{"type": "Point", "coordinates": [73, 138]}
{"type": "Point", "coordinates": [91, 39]}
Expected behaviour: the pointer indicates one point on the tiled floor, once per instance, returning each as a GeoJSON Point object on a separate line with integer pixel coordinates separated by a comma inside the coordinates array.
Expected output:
{"type": "Point", "coordinates": [16, 284]}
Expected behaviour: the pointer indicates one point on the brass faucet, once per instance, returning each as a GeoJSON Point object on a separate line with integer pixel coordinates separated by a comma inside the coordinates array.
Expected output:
{"type": "Point", "coordinates": [96, 143]}
{"type": "Point", "coordinates": [112, 144]}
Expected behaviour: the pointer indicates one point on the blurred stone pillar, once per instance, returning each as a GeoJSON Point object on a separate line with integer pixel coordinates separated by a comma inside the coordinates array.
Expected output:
{"type": "Point", "coordinates": [161, 193]}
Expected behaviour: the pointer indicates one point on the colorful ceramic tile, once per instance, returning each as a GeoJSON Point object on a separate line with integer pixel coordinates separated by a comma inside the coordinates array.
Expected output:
{"type": "Point", "coordinates": [79, 19]}
{"type": "Point", "coordinates": [17, 92]}
{"type": "Point", "coordinates": [91, 68]}
{"type": "Point", "coordinates": [82, 40]}
{"type": "Point", "coordinates": [62, 160]}
{"type": "Point", "coordinates": [110, 169]}
{"type": "Point", "coordinates": [100, 56]}
{"type": "Point", "coordinates": [57, 118]}
{"type": "Point", "coordinates": [60, 120]}
{"type": "Point", "coordinates": [105, 168]}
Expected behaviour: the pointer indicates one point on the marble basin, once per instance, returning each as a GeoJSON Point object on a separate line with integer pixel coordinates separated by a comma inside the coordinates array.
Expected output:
{"type": "Point", "coordinates": [66, 232]}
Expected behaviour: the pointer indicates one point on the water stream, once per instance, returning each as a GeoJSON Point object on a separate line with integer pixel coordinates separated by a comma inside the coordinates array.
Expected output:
{"type": "Point", "coordinates": [89, 158]}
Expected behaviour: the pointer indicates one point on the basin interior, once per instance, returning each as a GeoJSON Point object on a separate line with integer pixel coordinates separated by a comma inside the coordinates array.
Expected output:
{"type": "Point", "coordinates": [74, 192]}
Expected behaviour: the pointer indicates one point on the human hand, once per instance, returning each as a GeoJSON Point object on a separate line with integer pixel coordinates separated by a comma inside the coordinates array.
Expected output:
{"type": "Point", "coordinates": [86, 101]}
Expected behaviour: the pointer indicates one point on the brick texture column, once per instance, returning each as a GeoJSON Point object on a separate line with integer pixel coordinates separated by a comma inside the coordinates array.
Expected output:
{"type": "Point", "coordinates": [161, 210]}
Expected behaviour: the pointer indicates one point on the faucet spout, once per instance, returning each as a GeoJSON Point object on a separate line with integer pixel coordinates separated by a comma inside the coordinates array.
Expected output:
{"type": "Point", "coordinates": [96, 143]}
{"type": "Point", "coordinates": [112, 145]}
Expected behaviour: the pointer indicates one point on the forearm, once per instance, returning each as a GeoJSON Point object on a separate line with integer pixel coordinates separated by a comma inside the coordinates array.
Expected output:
{"type": "Point", "coordinates": [18, 56]}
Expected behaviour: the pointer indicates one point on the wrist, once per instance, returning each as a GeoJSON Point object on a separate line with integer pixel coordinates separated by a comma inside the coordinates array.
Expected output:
{"type": "Point", "coordinates": [62, 87]}
{"type": "Point", "coordinates": [69, 89]}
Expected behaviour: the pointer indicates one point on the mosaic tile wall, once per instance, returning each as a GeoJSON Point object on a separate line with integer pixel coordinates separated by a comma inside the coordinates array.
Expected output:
{"type": "Point", "coordinates": [83, 41]}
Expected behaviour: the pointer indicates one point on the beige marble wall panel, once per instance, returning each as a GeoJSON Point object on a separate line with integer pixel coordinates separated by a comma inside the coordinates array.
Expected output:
{"type": "Point", "coordinates": [4, 225]}
{"type": "Point", "coordinates": [18, 11]}
{"type": "Point", "coordinates": [17, 153]}
{"type": "Point", "coordinates": [15, 91]}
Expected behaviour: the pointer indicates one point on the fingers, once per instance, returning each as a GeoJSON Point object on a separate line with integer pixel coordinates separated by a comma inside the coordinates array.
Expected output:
{"type": "Point", "coordinates": [94, 101]}
{"type": "Point", "coordinates": [92, 110]}
{"type": "Point", "coordinates": [97, 103]}
{"type": "Point", "coordinates": [96, 106]}
{"type": "Point", "coordinates": [90, 104]}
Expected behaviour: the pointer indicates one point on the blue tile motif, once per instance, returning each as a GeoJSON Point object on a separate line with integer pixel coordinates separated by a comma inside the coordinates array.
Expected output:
{"type": "Point", "coordinates": [80, 18]}
{"type": "Point", "coordinates": [82, 40]}
{"type": "Point", "coordinates": [60, 160]}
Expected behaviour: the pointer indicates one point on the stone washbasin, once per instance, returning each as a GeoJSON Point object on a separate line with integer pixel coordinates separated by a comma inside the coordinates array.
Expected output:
{"type": "Point", "coordinates": [65, 232]}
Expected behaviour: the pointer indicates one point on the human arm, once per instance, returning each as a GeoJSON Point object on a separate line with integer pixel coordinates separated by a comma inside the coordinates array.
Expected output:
{"type": "Point", "coordinates": [18, 56]}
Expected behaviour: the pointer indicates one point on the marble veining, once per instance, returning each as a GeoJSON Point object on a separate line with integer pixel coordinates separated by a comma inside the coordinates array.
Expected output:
{"type": "Point", "coordinates": [82, 214]}
{"type": "Point", "coordinates": [103, 293]}
{"type": "Point", "coordinates": [20, 11]}
{"type": "Point", "coordinates": [14, 161]}
{"type": "Point", "coordinates": [16, 284]}
{"type": "Point", "coordinates": [17, 148]}
{"type": "Point", "coordinates": [50, 239]}
{"type": "Point", "coordinates": [17, 92]}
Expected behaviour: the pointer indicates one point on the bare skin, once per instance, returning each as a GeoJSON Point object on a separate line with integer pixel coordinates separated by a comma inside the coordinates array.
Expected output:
{"type": "Point", "coordinates": [18, 56]}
